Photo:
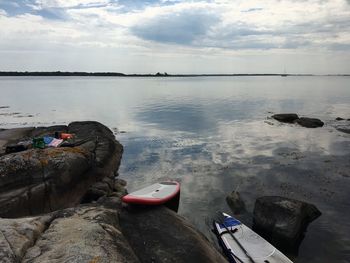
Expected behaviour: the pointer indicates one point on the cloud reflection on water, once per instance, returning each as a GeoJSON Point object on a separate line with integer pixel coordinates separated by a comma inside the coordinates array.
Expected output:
{"type": "Point", "coordinates": [258, 158]}
{"type": "Point", "coordinates": [213, 135]}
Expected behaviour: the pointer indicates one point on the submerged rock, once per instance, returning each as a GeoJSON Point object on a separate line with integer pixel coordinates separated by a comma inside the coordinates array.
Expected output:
{"type": "Point", "coordinates": [286, 117]}
{"type": "Point", "coordinates": [339, 119]}
{"type": "Point", "coordinates": [342, 126]}
{"type": "Point", "coordinates": [235, 202]}
{"type": "Point", "coordinates": [282, 220]}
{"type": "Point", "coordinates": [310, 122]}
{"type": "Point", "coordinates": [345, 130]}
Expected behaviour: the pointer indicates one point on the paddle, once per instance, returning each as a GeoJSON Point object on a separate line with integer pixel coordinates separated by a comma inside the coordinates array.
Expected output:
{"type": "Point", "coordinates": [209, 223]}
{"type": "Point", "coordinates": [221, 220]}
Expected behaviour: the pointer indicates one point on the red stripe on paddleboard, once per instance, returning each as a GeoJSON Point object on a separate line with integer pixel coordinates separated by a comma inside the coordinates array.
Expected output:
{"type": "Point", "coordinates": [131, 199]}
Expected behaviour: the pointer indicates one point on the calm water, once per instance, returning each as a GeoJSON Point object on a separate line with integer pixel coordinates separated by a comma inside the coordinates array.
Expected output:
{"type": "Point", "coordinates": [213, 135]}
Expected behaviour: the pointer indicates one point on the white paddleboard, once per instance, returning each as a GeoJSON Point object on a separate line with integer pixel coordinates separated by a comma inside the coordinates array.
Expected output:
{"type": "Point", "coordinates": [155, 194]}
{"type": "Point", "coordinates": [257, 247]}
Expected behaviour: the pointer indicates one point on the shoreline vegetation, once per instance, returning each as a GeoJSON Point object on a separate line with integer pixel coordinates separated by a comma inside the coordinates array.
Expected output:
{"type": "Point", "coordinates": [158, 74]}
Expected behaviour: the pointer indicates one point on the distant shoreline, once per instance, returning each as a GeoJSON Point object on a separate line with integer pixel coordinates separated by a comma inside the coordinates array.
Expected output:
{"type": "Point", "coordinates": [117, 74]}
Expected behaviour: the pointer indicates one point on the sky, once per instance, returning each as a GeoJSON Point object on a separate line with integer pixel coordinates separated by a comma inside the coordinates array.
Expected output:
{"type": "Point", "coordinates": [213, 36]}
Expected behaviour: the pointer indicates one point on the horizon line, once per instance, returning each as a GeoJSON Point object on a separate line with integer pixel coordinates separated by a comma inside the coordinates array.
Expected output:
{"type": "Point", "coordinates": [158, 74]}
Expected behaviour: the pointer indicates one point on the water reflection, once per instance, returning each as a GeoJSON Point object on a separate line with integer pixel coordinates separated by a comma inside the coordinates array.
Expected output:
{"type": "Point", "coordinates": [259, 159]}
{"type": "Point", "coordinates": [213, 135]}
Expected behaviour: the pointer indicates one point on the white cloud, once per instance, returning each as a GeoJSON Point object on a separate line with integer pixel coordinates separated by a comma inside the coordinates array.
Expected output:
{"type": "Point", "coordinates": [184, 29]}
{"type": "Point", "coordinates": [68, 4]}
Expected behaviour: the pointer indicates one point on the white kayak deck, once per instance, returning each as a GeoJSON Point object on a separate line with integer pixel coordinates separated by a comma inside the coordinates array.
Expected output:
{"type": "Point", "coordinates": [258, 248]}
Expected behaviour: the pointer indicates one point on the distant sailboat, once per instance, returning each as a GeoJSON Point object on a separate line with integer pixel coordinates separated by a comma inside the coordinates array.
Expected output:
{"type": "Point", "coordinates": [284, 72]}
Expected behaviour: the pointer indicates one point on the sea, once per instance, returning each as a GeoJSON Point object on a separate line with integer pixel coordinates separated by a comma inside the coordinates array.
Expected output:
{"type": "Point", "coordinates": [214, 135]}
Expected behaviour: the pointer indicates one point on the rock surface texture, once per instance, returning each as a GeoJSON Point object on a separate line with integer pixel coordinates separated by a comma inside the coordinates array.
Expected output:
{"type": "Point", "coordinates": [87, 233]}
{"type": "Point", "coordinates": [85, 220]}
{"type": "Point", "coordinates": [283, 220]}
{"type": "Point", "coordinates": [310, 122]}
{"type": "Point", "coordinates": [342, 125]}
{"type": "Point", "coordinates": [82, 234]}
{"type": "Point", "coordinates": [286, 117]}
{"type": "Point", "coordinates": [44, 180]}
{"type": "Point", "coordinates": [302, 121]}
{"type": "Point", "coordinates": [235, 202]}
{"type": "Point", "coordinates": [158, 234]}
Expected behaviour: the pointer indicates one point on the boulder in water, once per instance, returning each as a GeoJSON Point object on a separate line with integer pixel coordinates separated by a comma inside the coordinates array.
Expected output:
{"type": "Point", "coordinates": [282, 220]}
{"type": "Point", "coordinates": [310, 122]}
{"type": "Point", "coordinates": [286, 117]}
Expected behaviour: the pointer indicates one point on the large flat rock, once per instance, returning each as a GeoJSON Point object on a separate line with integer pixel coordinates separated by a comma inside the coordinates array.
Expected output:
{"type": "Point", "coordinates": [82, 234]}
{"type": "Point", "coordinates": [157, 234]}
{"type": "Point", "coordinates": [105, 232]}
{"type": "Point", "coordinates": [36, 181]}
{"type": "Point", "coordinates": [86, 233]}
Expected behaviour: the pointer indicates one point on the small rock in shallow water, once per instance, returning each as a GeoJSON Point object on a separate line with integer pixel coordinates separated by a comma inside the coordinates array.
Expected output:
{"type": "Point", "coordinates": [235, 202]}
{"type": "Point", "coordinates": [269, 123]}
{"type": "Point", "coordinates": [310, 122]}
{"type": "Point", "coordinates": [343, 130]}
{"type": "Point", "coordinates": [286, 117]}
{"type": "Point", "coordinates": [339, 119]}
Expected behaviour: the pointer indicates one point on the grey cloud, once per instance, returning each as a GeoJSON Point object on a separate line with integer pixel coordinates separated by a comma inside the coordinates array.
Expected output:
{"type": "Point", "coordinates": [295, 43]}
{"type": "Point", "coordinates": [295, 35]}
{"type": "Point", "coordinates": [234, 31]}
{"type": "Point", "coordinates": [179, 28]}
{"type": "Point", "coordinates": [340, 47]}
{"type": "Point", "coordinates": [53, 13]}
{"type": "Point", "coordinates": [202, 29]}
{"type": "Point", "coordinates": [249, 44]}
{"type": "Point", "coordinates": [241, 36]}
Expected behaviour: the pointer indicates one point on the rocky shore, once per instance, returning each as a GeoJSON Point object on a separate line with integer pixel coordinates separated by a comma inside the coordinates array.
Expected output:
{"type": "Point", "coordinates": [340, 124]}
{"type": "Point", "coordinates": [64, 205]}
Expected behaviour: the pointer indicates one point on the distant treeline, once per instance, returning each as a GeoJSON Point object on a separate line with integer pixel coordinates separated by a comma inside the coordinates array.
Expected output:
{"type": "Point", "coordinates": [58, 73]}
{"type": "Point", "coordinates": [158, 74]}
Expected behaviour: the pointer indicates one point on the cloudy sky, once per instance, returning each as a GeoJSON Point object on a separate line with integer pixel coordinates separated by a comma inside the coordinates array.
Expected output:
{"type": "Point", "coordinates": [213, 36]}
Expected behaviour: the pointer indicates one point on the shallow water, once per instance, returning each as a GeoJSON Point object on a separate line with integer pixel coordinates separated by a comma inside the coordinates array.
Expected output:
{"type": "Point", "coordinates": [213, 135]}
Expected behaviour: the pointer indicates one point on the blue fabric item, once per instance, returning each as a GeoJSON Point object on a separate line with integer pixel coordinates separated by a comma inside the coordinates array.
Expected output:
{"type": "Point", "coordinates": [48, 139]}
{"type": "Point", "coordinates": [230, 221]}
